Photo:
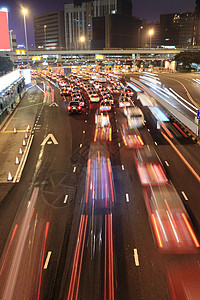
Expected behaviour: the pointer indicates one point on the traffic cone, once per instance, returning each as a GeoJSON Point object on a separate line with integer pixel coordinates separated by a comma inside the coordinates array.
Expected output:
{"type": "Point", "coordinates": [24, 142]}
{"type": "Point", "coordinates": [26, 135]}
{"type": "Point", "coordinates": [17, 160]}
{"type": "Point", "coordinates": [9, 176]}
{"type": "Point", "coordinates": [20, 151]}
{"type": "Point", "coordinates": [15, 130]}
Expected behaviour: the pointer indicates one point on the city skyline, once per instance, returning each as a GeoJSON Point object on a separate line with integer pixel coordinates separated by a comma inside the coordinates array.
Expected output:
{"type": "Point", "coordinates": [141, 9]}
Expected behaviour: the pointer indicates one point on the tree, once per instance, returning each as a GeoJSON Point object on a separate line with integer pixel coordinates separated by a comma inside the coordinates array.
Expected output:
{"type": "Point", "coordinates": [187, 58]}
{"type": "Point", "coordinates": [6, 65]}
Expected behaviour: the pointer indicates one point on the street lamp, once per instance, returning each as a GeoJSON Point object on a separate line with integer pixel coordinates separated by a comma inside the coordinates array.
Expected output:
{"type": "Point", "coordinates": [151, 32]}
{"type": "Point", "coordinates": [82, 39]}
{"type": "Point", "coordinates": [45, 35]}
{"type": "Point", "coordinates": [141, 27]}
{"type": "Point", "coordinates": [24, 11]}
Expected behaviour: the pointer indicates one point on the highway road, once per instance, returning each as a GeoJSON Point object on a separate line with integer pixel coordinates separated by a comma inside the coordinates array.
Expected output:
{"type": "Point", "coordinates": [179, 89]}
{"type": "Point", "coordinates": [76, 226]}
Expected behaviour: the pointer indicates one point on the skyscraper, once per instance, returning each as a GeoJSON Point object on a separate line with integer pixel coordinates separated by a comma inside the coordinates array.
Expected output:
{"type": "Point", "coordinates": [196, 30]}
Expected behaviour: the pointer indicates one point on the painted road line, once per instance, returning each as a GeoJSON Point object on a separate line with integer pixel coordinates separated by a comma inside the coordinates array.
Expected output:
{"type": "Point", "coordinates": [85, 121]}
{"type": "Point", "coordinates": [39, 88]}
{"type": "Point", "coordinates": [155, 143]}
{"type": "Point", "coordinates": [148, 129]}
{"type": "Point", "coordinates": [167, 164]}
{"type": "Point", "coordinates": [24, 158]}
{"type": "Point", "coordinates": [119, 144]}
{"type": "Point", "coordinates": [65, 200]}
{"type": "Point", "coordinates": [47, 260]}
{"type": "Point", "coordinates": [74, 170]}
{"type": "Point", "coordinates": [123, 167]}
{"type": "Point", "coordinates": [182, 158]}
{"type": "Point", "coordinates": [127, 198]}
{"type": "Point", "coordinates": [81, 145]}
{"type": "Point", "coordinates": [136, 257]}
{"type": "Point", "coordinates": [83, 131]}
{"type": "Point", "coordinates": [184, 195]}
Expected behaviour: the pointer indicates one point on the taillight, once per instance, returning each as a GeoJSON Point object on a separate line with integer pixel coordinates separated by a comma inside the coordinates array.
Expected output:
{"type": "Point", "coordinates": [69, 107]}
{"type": "Point", "coordinates": [79, 107]}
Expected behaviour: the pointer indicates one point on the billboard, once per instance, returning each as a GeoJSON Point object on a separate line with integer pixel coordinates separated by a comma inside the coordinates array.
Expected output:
{"type": "Point", "coordinates": [4, 31]}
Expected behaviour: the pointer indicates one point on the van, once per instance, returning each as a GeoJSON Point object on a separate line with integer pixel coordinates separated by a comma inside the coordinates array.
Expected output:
{"type": "Point", "coordinates": [135, 117]}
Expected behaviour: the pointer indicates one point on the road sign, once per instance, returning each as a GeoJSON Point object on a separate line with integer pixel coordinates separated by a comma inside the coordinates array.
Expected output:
{"type": "Point", "coordinates": [198, 114]}
{"type": "Point", "coordinates": [50, 139]}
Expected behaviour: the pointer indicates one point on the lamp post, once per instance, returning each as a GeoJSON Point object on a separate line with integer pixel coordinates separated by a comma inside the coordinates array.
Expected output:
{"type": "Point", "coordinates": [139, 29]}
{"type": "Point", "coordinates": [150, 34]}
{"type": "Point", "coordinates": [45, 35]}
{"type": "Point", "coordinates": [24, 11]}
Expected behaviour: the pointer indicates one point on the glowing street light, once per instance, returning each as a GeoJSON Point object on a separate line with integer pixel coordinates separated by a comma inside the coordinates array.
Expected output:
{"type": "Point", "coordinates": [45, 35]}
{"type": "Point", "coordinates": [82, 39]}
{"type": "Point", "coordinates": [25, 11]}
{"type": "Point", "coordinates": [151, 32]}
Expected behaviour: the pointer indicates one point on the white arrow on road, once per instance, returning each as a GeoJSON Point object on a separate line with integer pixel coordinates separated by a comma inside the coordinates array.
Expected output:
{"type": "Point", "coordinates": [53, 104]}
{"type": "Point", "coordinates": [49, 140]}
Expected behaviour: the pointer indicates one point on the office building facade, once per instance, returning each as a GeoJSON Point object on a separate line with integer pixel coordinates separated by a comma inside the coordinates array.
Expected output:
{"type": "Point", "coordinates": [177, 29]}
{"type": "Point", "coordinates": [78, 19]}
{"type": "Point", "coordinates": [49, 30]}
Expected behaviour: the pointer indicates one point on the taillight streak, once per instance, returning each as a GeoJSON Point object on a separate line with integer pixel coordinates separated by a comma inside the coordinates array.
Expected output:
{"type": "Point", "coordinates": [190, 230]}
{"type": "Point", "coordinates": [14, 231]}
{"type": "Point", "coordinates": [157, 231]}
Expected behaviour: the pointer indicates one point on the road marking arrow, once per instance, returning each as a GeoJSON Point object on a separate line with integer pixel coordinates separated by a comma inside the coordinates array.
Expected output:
{"type": "Point", "coordinates": [49, 140]}
{"type": "Point", "coordinates": [53, 104]}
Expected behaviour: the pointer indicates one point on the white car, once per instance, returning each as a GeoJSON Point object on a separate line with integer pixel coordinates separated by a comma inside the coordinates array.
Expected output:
{"type": "Point", "coordinates": [135, 117]}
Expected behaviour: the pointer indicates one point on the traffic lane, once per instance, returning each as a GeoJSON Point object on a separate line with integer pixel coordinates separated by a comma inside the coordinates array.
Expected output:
{"type": "Point", "coordinates": [11, 143]}
{"type": "Point", "coordinates": [29, 251]}
{"type": "Point", "coordinates": [138, 264]}
{"type": "Point", "coordinates": [185, 86]}
{"type": "Point", "coordinates": [180, 174]}
{"type": "Point", "coordinates": [171, 98]}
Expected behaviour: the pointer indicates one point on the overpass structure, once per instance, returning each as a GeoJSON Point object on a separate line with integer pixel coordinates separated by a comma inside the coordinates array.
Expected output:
{"type": "Point", "coordinates": [67, 56]}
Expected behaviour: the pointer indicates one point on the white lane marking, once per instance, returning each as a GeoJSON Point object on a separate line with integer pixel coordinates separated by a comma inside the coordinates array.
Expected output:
{"type": "Point", "coordinates": [74, 170]}
{"type": "Point", "coordinates": [167, 164]}
{"type": "Point", "coordinates": [81, 145]}
{"type": "Point", "coordinates": [49, 136]}
{"type": "Point", "coordinates": [123, 167]}
{"type": "Point", "coordinates": [127, 198]}
{"type": "Point", "coordinates": [148, 129]}
{"type": "Point", "coordinates": [117, 130]}
{"type": "Point", "coordinates": [65, 200]}
{"type": "Point", "coordinates": [116, 120]}
{"type": "Point", "coordinates": [136, 257]}
{"type": "Point", "coordinates": [39, 88]}
{"type": "Point", "coordinates": [184, 195]}
{"type": "Point", "coordinates": [83, 131]}
{"type": "Point", "coordinates": [85, 121]}
{"type": "Point", "coordinates": [114, 112]}
{"type": "Point", "coordinates": [119, 144]}
{"type": "Point", "coordinates": [155, 143]}
{"type": "Point", "coordinates": [47, 260]}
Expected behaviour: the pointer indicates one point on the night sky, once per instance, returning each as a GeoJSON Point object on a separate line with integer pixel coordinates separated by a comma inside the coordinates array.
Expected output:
{"type": "Point", "coordinates": [147, 9]}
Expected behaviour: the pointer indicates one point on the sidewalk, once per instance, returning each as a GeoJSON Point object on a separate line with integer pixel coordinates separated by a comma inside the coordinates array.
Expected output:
{"type": "Point", "coordinates": [10, 142]}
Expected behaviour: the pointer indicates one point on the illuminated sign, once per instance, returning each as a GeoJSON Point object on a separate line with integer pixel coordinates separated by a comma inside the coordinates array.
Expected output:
{"type": "Point", "coordinates": [98, 56]}
{"type": "Point", "coordinates": [21, 51]}
{"type": "Point", "coordinates": [4, 31]}
{"type": "Point", "coordinates": [36, 57]}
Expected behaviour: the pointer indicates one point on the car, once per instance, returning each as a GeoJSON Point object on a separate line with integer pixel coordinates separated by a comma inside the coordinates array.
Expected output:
{"type": "Point", "coordinates": [131, 138]}
{"type": "Point", "coordinates": [74, 107]}
{"type": "Point", "coordinates": [149, 167]}
{"type": "Point", "coordinates": [94, 97]}
{"type": "Point", "coordinates": [124, 102]}
{"type": "Point", "coordinates": [109, 98]}
{"type": "Point", "coordinates": [134, 116]}
{"type": "Point", "coordinates": [105, 105]}
{"type": "Point", "coordinates": [102, 118]}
